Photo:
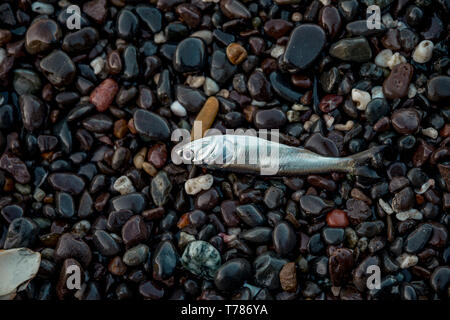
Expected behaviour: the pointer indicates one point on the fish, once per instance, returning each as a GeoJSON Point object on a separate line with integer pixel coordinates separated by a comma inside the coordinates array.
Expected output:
{"type": "Point", "coordinates": [254, 155]}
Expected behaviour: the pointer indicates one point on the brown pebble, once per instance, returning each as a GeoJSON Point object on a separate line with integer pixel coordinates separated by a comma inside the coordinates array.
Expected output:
{"type": "Point", "coordinates": [205, 118]}
{"type": "Point", "coordinates": [104, 94]}
{"type": "Point", "coordinates": [397, 83]}
{"type": "Point", "coordinates": [288, 277]}
{"type": "Point", "coordinates": [120, 128]}
{"type": "Point", "coordinates": [236, 53]}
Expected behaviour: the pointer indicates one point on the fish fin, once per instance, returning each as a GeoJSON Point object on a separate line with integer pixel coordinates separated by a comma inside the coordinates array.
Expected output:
{"type": "Point", "coordinates": [365, 156]}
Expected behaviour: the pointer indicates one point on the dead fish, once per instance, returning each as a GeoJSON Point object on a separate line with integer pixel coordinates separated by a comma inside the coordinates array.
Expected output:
{"type": "Point", "coordinates": [17, 268]}
{"type": "Point", "coordinates": [253, 155]}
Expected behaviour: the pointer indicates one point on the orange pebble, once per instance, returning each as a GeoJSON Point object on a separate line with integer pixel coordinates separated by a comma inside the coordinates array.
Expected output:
{"type": "Point", "coordinates": [337, 219]}
{"type": "Point", "coordinates": [205, 118]}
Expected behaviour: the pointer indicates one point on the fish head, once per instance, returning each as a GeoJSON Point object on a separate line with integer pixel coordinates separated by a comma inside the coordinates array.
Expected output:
{"type": "Point", "coordinates": [210, 150]}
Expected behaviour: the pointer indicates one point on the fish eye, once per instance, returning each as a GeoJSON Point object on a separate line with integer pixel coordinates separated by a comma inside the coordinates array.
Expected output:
{"type": "Point", "coordinates": [188, 154]}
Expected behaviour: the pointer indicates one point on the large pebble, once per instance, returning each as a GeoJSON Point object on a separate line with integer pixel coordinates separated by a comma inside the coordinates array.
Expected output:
{"type": "Point", "coordinates": [352, 49]}
{"type": "Point", "coordinates": [232, 274]}
{"type": "Point", "coordinates": [201, 258]}
{"type": "Point", "coordinates": [190, 55]}
{"type": "Point", "coordinates": [150, 125]}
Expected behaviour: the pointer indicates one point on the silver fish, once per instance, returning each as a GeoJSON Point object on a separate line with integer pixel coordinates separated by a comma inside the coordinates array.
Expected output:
{"type": "Point", "coordinates": [253, 155]}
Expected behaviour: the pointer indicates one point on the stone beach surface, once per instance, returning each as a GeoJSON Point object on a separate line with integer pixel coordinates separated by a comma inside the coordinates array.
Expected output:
{"type": "Point", "coordinates": [87, 178]}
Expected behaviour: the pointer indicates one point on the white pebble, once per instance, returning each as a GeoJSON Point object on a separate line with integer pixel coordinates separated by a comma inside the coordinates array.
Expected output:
{"type": "Point", "coordinates": [430, 132]}
{"type": "Point", "coordinates": [160, 37]}
{"type": "Point", "coordinates": [123, 185]}
{"type": "Point", "coordinates": [377, 92]}
{"type": "Point", "coordinates": [178, 109]}
{"type": "Point", "coordinates": [210, 87]}
{"type": "Point", "coordinates": [396, 59]}
{"type": "Point", "coordinates": [407, 260]}
{"type": "Point", "coordinates": [325, 2]}
{"type": "Point", "coordinates": [39, 194]}
{"type": "Point", "coordinates": [361, 98]}
{"type": "Point", "coordinates": [424, 188]}
{"type": "Point", "coordinates": [423, 52]}
{"type": "Point", "coordinates": [410, 214]}
{"type": "Point", "coordinates": [42, 8]}
{"type": "Point", "coordinates": [223, 93]}
{"type": "Point", "coordinates": [195, 81]}
{"type": "Point", "coordinates": [98, 64]}
{"type": "Point", "coordinates": [385, 206]}
{"type": "Point", "coordinates": [345, 127]}
{"type": "Point", "coordinates": [277, 51]}
{"type": "Point", "coordinates": [195, 185]}
{"type": "Point", "coordinates": [257, 103]}
{"type": "Point", "coordinates": [383, 57]}
{"type": "Point", "coordinates": [314, 117]}
{"type": "Point", "coordinates": [293, 116]}
{"type": "Point", "coordinates": [299, 107]}
{"type": "Point", "coordinates": [329, 120]}
{"type": "Point", "coordinates": [412, 91]}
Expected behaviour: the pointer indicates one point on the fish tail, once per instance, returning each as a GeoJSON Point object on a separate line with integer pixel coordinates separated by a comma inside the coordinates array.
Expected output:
{"type": "Point", "coordinates": [361, 158]}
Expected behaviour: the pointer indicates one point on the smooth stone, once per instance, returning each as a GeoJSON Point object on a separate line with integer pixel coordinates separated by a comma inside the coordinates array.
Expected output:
{"type": "Point", "coordinates": [397, 83]}
{"type": "Point", "coordinates": [7, 116]}
{"type": "Point", "coordinates": [135, 202]}
{"type": "Point", "coordinates": [405, 121]}
{"type": "Point", "coordinates": [330, 20]}
{"type": "Point", "coordinates": [80, 40]}
{"type": "Point", "coordinates": [440, 279]}
{"type": "Point", "coordinates": [284, 239]}
{"type": "Point", "coordinates": [376, 109]}
{"type": "Point", "coordinates": [357, 211]}
{"type": "Point", "coordinates": [33, 110]}
{"type": "Point", "coordinates": [221, 68]}
{"type": "Point", "coordinates": [71, 246]}
{"type": "Point", "coordinates": [352, 49]}
{"type": "Point", "coordinates": [192, 99]}
{"type": "Point", "coordinates": [321, 145]}
{"type": "Point", "coordinates": [206, 200]}
{"type": "Point", "coordinates": [105, 244]}
{"type": "Point", "coordinates": [333, 236]}
{"type": "Point", "coordinates": [136, 256]}
{"type": "Point", "coordinates": [127, 24]}
{"type": "Point", "coordinates": [259, 87]}
{"type": "Point", "coordinates": [283, 87]}
{"type": "Point", "coordinates": [314, 205]}
{"type": "Point", "coordinates": [234, 9]}
{"type": "Point", "coordinates": [66, 182]}
{"type": "Point", "coordinates": [160, 188]}
{"type": "Point", "coordinates": [232, 274]}
{"type": "Point", "coordinates": [131, 66]}
{"type": "Point", "coordinates": [151, 290]}
{"type": "Point", "coordinates": [340, 265]}
{"type": "Point", "coordinates": [22, 232]}
{"type": "Point", "coordinates": [270, 119]}
{"type": "Point", "coordinates": [58, 68]}
{"type": "Point", "coordinates": [134, 231]}
{"type": "Point", "coordinates": [190, 56]}
{"type": "Point", "coordinates": [12, 212]}
{"type": "Point", "coordinates": [267, 268]}
{"type": "Point", "coordinates": [438, 89]}
{"type": "Point", "coordinates": [359, 28]}
{"type": "Point", "coordinates": [304, 46]}
{"type": "Point", "coordinates": [250, 215]}
{"type": "Point", "coordinates": [417, 239]}
{"type": "Point", "coordinates": [259, 235]}
{"type": "Point", "coordinates": [369, 229]}
{"type": "Point", "coordinates": [98, 123]}
{"type": "Point", "coordinates": [151, 126]}
{"type": "Point", "coordinates": [16, 167]}
{"type": "Point", "coordinates": [65, 205]}
{"type": "Point", "coordinates": [165, 260]}
{"type": "Point", "coordinates": [42, 35]}
{"type": "Point", "coordinates": [151, 16]}
{"type": "Point", "coordinates": [201, 258]}
{"type": "Point", "coordinates": [26, 82]}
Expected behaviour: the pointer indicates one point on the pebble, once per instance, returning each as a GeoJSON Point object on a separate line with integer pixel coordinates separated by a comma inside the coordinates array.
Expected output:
{"type": "Point", "coordinates": [250, 215]}
{"type": "Point", "coordinates": [423, 52]}
{"type": "Point", "coordinates": [190, 56]}
{"type": "Point", "coordinates": [97, 10]}
{"type": "Point", "coordinates": [221, 68]}
{"type": "Point", "coordinates": [288, 277]}
{"type": "Point", "coordinates": [195, 185]}
{"type": "Point", "coordinates": [105, 244]}
{"type": "Point", "coordinates": [361, 98]}
{"type": "Point", "coordinates": [136, 255]}
{"type": "Point", "coordinates": [337, 219]}
{"type": "Point", "coordinates": [396, 59]}
{"type": "Point", "coordinates": [66, 182]}
{"type": "Point", "coordinates": [314, 205]}
{"type": "Point", "coordinates": [397, 83]}
{"type": "Point", "coordinates": [58, 68]}
{"type": "Point", "coordinates": [205, 118]}
{"type": "Point", "coordinates": [383, 57]}
{"type": "Point", "coordinates": [123, 185]}
{"type": "Point", "coordinates": [191, 99]}
{"type": "Point", "coordinates": [210, 87]}
{"type": "Point", "coordinates": [178, 109]}
{"type": "Point", "coordinates": [406, 261]}
{"type": "Point", "coordinates": [202, 259]}
{"type": "Point", "coordinates": [232, 274]}
{"type": "Point", "coordinates": [267, 268]}
{"type": "Point", "coordinates": [438, 88]}
{"type": "Point", "coordinates": [376, 109]}
{"type": "Point", "coordinates": [270, 119]}
{"type": "Point", "coordinates": [405, 121]}
{"type": "Point", "coordinates": [42, 36]}
{"type": "Point", "coordinates": [234, 9]}
{"type": "Point", "coordinates": [259, 87]}
{"type": "Point", "coordinates": [304, 46]}
{"type": "Point", "coordinates": [33, 111]}
{"type": "Point", "coordinates": [284, 238]}
{"type": "Point", "coordinates": [151, 126]}
{"type": "Point", "coordinates": [440, 279]}
{"type": "Point", "coordinates": [80, 40]}
{"type": "Point", "coordinates": [352, 49]}
{"type": "Point", "coordinates": [22, 232]}
{"type": "Point", "coordinates": [71, 246]}
{"type": "Point", "coordinates": [409, 214]}
{"type": "Point", "coordinates": [340, 264]}
{"type": "Point", "coordinates": [165, 260]}
{"type": "Point", "coordinates": [103, 95]}
{"type": "Point", "coordinates": [160, 188]}
{"type": "Point", "coordinates": [236, 53]}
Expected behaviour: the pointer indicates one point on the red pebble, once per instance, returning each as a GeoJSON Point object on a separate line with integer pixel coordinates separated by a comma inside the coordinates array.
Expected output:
{"type": "Point", "coordinates": [337, 219]}
{"type": "Point", "coordinates": [330, 102]}
{"type": "Point", "coordinates": [157, 155]}
{"type": "Point", "coordinates": [104, 94]}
